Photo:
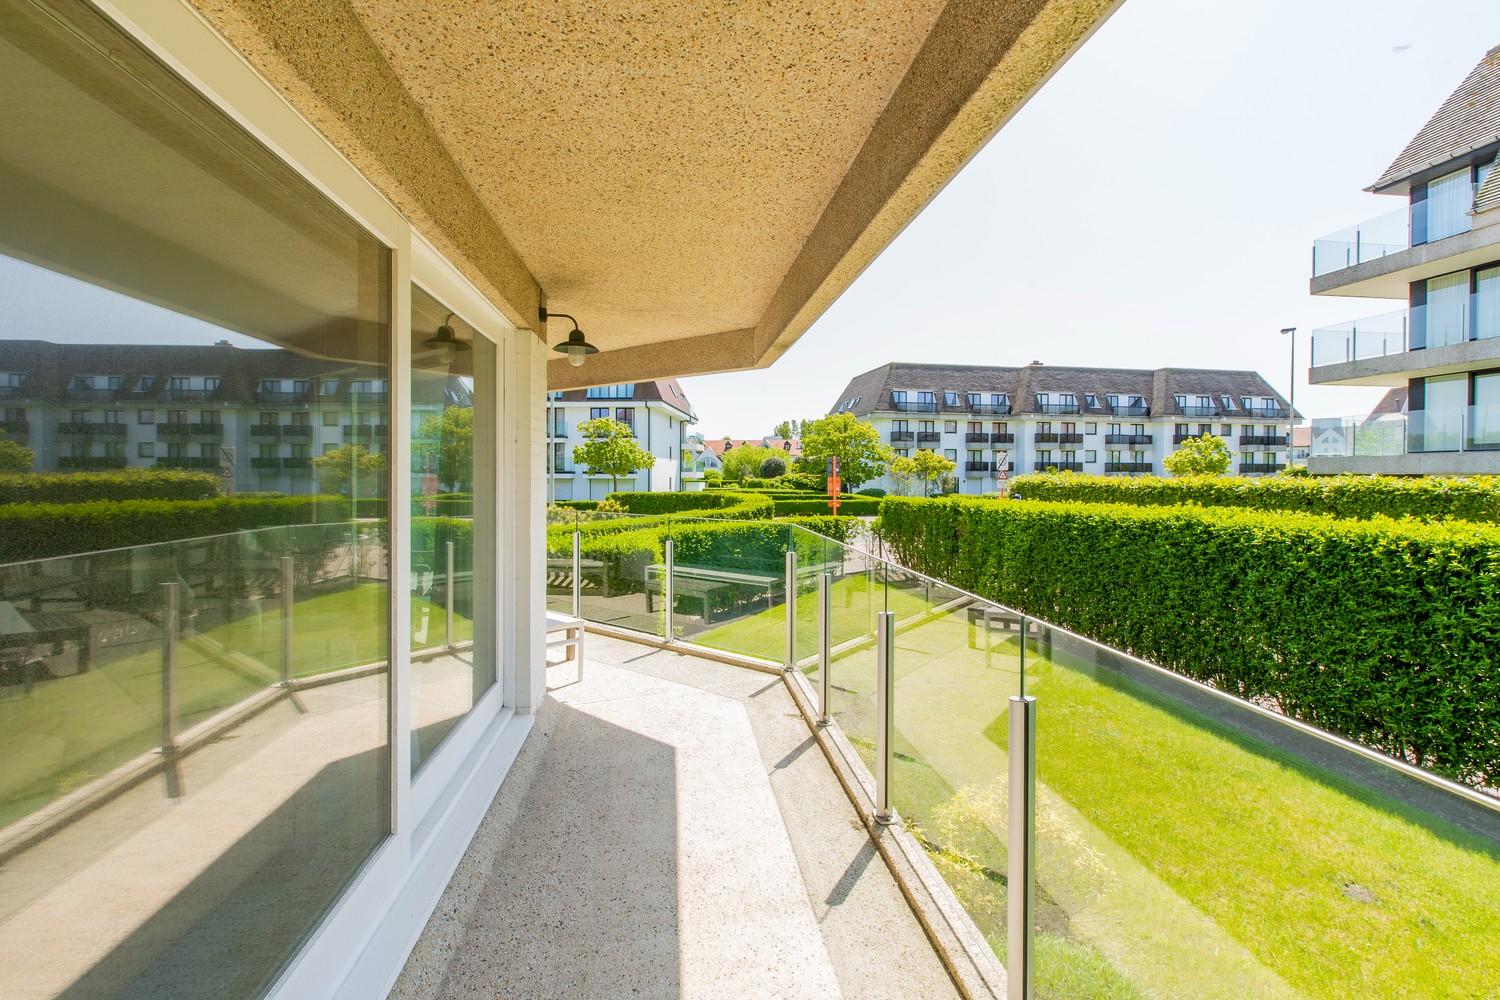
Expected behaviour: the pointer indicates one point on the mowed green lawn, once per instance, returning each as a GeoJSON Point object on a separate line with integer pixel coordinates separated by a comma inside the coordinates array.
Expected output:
{"type": "Point", "coordinates": [69, 731]}
{"type": "Point", "coordinates": [1160, 834]}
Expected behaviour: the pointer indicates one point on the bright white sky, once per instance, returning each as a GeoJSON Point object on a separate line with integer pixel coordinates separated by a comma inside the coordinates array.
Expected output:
{"type": "Point", "coordinates": [1153, 205]}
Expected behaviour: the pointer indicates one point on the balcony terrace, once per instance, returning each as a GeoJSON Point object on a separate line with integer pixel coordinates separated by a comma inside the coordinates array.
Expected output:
{"type": "Point", "coordinates": [1059, 466]}
{"type": "Point", "coordinates": [1132, 467]}
{"type": "Point", "coordinates": [1005, 438]}
{"type": "Point", "coordinates": [88, 428]}
{"type": "Point", "coordinates": [929, 437]}
{"type": "Point", "coordinates": [1129, 438]}
{"type": "Point", "coordinates": [677, 817]}
{"type": "Point", "coordinates": [902, 437]}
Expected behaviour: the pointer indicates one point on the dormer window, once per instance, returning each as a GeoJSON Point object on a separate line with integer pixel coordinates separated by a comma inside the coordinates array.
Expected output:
{"type": "Point", "coordinates": [1091, 400]}
{"type": "Point", "coordinates": [1112, 400]}
{"type": "Point", "coordinates": [974, 399]}
{"type": "Point", "coordinates": [950, 398]}
{"type": "Point", "coordinates": [1224, 401]}
{"type": "Point", "coordinates": [1181, 401]}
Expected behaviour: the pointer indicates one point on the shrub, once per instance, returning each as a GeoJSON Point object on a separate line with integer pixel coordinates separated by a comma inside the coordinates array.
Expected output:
{"type": "Point", "coordinates": [841, 529]}
{"type": "Point", "coordinates": [126, 484]}
{"type": "Point", "coordinates": [849, 507]}
{"type": "Point", "coordinates": [40, 531]}
{"type": "Point", "coordinates": [1382, 631]}
{"type": "Point", "coordinates": [1476, 499]}
{"type": "Point", "coordinates": [577, 504]}
{"type": "Point", "coordinates": [773, 467]}
{"type": "Point", "coordinates": [721, 503]}
{"type": "Point", "coordinates": [870, 491]}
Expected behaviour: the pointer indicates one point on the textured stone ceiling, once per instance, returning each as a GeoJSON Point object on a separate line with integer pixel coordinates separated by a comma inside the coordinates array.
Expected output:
{"type": "Point", "coordinates": [657, 166]}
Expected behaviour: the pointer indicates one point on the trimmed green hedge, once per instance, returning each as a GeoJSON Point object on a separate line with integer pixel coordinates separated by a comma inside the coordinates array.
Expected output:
{"type": "Point", "coordinates": [1387, 632]}
{"type": "Point", "coordinates": [41, 531]}
{"type": "Point", "coordinates": [1360, 497]}
{"type": "Point", "coordinates": [848, 506]}
{"type": "Point", "coordinates": [576, 504]}
{"type": "Point", "coordinates": [719, 504]}
{"type": "Point", "coordinates": [126, 484]}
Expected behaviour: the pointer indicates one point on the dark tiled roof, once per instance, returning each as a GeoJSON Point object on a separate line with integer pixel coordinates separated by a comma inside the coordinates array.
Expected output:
{"type": "Point", "coordinates": [49, 368]}
{"type": "Point", "coordinates": [667, 390]}
{"type": "Point", "coordinates": [1157, 386]}
{"type": "Point", "coordinates": [1468, 120]}
{"type": "Point", "coordinates": [1392, 402]}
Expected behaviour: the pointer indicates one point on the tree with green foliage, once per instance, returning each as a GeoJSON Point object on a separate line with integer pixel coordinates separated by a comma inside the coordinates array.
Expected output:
{"type": "Point", "coordinates": [351, 470]}
{"type": "Point", "coordinates": [862, 455]}
{"type": "Point", "coordinates": [610, 448]}
{"type": "Point", "coordinates": [931, 469]}
{"type": "Point", "coordinates": [451, 436]}
{"type": "Point", "coordinates": [741, 463]}
{"type": "Point", "coordinates": [903, 474]}
{"type": "Point", "coordinates": [773, 467]}
{"type": "Point", "coordinates": [15, 457]}
{"type": "Point", "coordinates": [790, 429]}
{"type": "Point", "coordinates": [1200, 456]}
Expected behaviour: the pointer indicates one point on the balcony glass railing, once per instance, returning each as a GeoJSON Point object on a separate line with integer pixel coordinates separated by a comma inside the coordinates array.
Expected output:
{"type": "Point", "coordinates": [1372, 337]}
{"type": "Point", "coordinates": [1370, 240]}
{"type": "Point", "coordinates": [1186, 843]}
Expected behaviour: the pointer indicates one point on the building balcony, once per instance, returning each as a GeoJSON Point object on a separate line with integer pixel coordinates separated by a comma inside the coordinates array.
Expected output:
{"type": "Point", "coordinates": [12, 391]}
{"type": "Point", "coordinates": [1129, 439]}
{"type": "Point", "coordinates": [1133, 467]}
{"type": "Point", "coordinates": [902, 437]}
{"type": "Point", "coordinates": [358, 399]}
{"type": "Point", "coordinates": [277, 398]}
{"type": "Point", "coordinates": [89, 462]}
{"type": "Point", "coordinates": [1005, 438]}
{"type": "Point", "coordinates": [15, 428]}
{"type": "Point", "coordinates": [976, 437]}
{"type": "Point", "coordinates": [979, 468]}
{"type": "Point", "coordinates": [1361, 339]}
{"type": "Point", "coordinates": [187, 462]}
{"type": "Point", "coordinates": [365, 432]}
{"type": "Point", "coordinates": [297, 463]}
{"type": "Point", "coordinates": [171, 395]}
{"type": "Point", "coordinates": [910, 406]}
{"type": "Point", "coordinates": [297, 431]}
{"type": "Point", "coordinates": [1264, 440]}
{"type": "Point", "coordinates": [265, 463]}
{"type": "Point", "coordinates": [1057, 408]}
{"type": "Point", "coordinates": [265, 431]}
{"type": "Point", "coordinates": [1198, 410]}
{"type": "Point", "coordinates": [989, 409]}
{"type": "Point", "coordinates": [93, 395]}
{"type": "Point", "coordinates": [1070, 437]}
{"type": "Point", "coordinates": [1260, 468]}
{"type": "Point", "coordinates": [1059, 466]}
{"type": "Point", "coordinates": [1130, 410]}
{"type": "Point", "coordinates": [1045, 437]}
{"type": "Point", "coordinates": [90, 429]}
{"type": "Point", "coordinates": [928, 437]}
{"type": "Point", "coordinates": [214, 429]}
{"type": "Point", "coordinates": [1366, 241]}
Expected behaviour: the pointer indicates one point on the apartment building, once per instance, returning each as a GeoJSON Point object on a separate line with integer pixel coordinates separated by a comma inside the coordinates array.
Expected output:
{"type": "Point", "coordinates": [657, 413]}
{"type": "Point", "coordinates": [1439, 255]}
{"type": "Point", "coordinates": [255, 417]}
{"type": "Point", "coordinates": [995, 422]}
{"type": "Point", "coordinates": [399, 198]}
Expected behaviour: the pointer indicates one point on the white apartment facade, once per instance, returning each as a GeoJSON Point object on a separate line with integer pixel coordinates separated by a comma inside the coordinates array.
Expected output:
{"type": "Point", "coordinates": [995, 423]}
{"type": "Point", "coordinates": [657, 413]}
{"type": "Point", "coordinates": [1439, 254]}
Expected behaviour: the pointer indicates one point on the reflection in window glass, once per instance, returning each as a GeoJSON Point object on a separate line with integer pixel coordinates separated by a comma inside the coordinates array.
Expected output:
{"type": "Point", "coordinates": [453, 382]}
{"type": "Point", "coordinates": [193, 686]}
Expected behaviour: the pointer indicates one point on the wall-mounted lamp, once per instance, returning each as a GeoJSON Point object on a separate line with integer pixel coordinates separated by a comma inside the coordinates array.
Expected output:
{"type": "Point", "coordinates": [575, 347]}
{"type": "Point", "coordinates": [445, 343]}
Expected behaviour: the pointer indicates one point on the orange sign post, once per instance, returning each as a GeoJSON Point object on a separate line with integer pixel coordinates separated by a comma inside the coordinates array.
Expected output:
{"type": "Point", "coordinates": [834, 486]}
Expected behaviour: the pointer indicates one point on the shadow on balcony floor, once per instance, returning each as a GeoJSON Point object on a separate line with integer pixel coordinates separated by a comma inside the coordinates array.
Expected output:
{"type": "Point", "coordinates": [671, 830]}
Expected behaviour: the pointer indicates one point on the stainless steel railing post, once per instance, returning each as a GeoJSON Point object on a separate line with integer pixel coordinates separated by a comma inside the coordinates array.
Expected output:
{"type": "Point", "coordinates": [286, 620]}
{"type": "Point", "coordinates": [577, 575]}
{"type": "Point", "coordinates": [448, 600]}
{"type": "Point", "coordinates": [791, 609]}
{"type": "Point", "coordinates": [885, 729]}
{"type": "Point", "coordinates": [170, 627]}
{"type": "Point", "coordinates": [1021, 850]}
{"type": "Point", "coordinates": [666, 593]}
{"type": "Point", "coordinates": [825, 644]}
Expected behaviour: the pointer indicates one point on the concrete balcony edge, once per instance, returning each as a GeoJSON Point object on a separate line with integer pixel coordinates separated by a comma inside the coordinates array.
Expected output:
{"type": "Point", "coordinates": [1396, 369]}
{"type": "Point", "coordinates": [959, 944]}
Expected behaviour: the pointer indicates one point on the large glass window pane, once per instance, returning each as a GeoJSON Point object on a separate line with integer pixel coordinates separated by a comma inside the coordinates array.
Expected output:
{"type": "Point", "coordinates": [1487, 303]}
{"type": "Point", "coordinates": [1447, 309]}
{"type": "Point", "coordinates": [193, 636]}
{"type": "Point", "coordinates": [453, 382]}
{"type": "Point", "coordinates": [1449, 199]}
{"type": "Point", "coordinates": [1442, 419]}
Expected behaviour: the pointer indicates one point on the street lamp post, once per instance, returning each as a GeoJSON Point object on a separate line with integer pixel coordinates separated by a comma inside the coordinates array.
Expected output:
{"type": "Point", "coordinates": [1291, 423]}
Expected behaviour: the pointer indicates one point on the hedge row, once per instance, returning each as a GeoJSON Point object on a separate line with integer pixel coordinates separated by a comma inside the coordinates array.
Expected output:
{"type": "Point", "coordinates": [1385, 632]}
{"type": "Point", "coordinates": [850, 506]}
{"type": "Point", "coordinates": [577, 504]}
{"type": "Point", "coordinates": [1360, 497]}
{"type": "Point", "coordinates": [41, 531]}
{"type": "Point", "coordinates": [126, 484]}
{"type": "Point", "coordinates": [719, 504]}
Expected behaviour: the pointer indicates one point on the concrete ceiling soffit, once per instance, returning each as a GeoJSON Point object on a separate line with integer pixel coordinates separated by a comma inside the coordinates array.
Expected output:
{"type": "Point", "coordinates": [320, 56]}
{"type": "Point", "coordinates": [732, 350]}
{"type": "Point", "coordinates": [982, 61]}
